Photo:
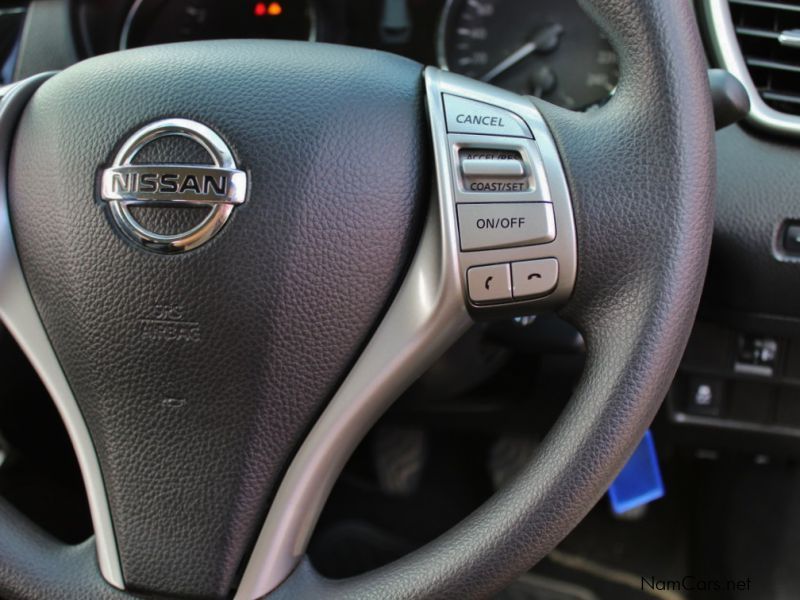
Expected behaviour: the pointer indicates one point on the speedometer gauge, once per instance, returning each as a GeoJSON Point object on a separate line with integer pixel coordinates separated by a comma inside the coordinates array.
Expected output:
{"type": "Point", "coordinates": [545, 48]}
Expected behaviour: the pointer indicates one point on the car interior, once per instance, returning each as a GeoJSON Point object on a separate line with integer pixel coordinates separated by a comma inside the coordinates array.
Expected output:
{"type": "Point", "coordinates": [400, 299]}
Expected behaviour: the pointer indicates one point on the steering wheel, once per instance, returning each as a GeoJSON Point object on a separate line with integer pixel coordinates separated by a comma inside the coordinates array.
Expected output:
{"type": "Point", "coordinates": [226, 259]}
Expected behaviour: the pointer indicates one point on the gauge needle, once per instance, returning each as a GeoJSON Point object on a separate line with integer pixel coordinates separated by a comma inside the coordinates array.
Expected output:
{"type": "Point", "coordinates": [544, 40]}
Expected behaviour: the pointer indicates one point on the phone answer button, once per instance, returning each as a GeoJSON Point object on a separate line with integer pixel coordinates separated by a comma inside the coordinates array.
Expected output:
{"type": "Point", "coordinates": [490, 283]}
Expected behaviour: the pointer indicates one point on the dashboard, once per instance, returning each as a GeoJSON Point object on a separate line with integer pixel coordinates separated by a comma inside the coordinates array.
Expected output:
{"type": "Point", "coordinates": [545, 48]}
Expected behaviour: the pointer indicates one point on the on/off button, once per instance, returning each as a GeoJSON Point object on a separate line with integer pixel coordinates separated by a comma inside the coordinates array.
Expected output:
{"type": "Point", "coordinates": [485, 226]}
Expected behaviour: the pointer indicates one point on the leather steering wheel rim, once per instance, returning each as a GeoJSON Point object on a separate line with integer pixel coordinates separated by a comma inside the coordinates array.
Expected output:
{"type": "Point", "coordinates": [641, 174]}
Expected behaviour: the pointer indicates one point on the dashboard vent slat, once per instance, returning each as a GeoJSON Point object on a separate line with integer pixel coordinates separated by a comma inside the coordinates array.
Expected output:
{"type": "Point", "coordinates": [757, 32]}
{"type": "Point", "coordinates": [781, 97]}
{"type": "Point", "coordinates": [773, 64]}
{"type": "Point", "coordinates": [771, 5]}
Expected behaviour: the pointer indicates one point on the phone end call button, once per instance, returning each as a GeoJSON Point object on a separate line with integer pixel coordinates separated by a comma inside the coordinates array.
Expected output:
{"type": "Point", "coordinates": [490, 283]}
{"type": "Point", "coordinates": [534, 277]}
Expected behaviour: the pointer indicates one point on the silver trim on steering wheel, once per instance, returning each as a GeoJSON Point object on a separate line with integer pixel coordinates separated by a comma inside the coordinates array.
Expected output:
{"type": "Point", "coordinates": [18, 313]}
{"type": "Point", "coordinates": [431, 310]}
{"type": "Point", "coordinates": [426, 317]}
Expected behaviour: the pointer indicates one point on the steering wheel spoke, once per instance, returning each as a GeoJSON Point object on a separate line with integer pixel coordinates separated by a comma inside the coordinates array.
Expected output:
{"type": "Point", "coordinates": [506, 135]}
{"type": "Point", "coordinates": [19, 315]}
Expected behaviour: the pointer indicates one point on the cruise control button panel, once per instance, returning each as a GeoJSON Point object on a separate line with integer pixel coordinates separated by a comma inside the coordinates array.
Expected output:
{"type": "Point", "coordinates": [471, 116]}
{"type": "Point", "coordinates": [533, 278]}
{"type": "Point", "coordinates": [504, 198]}
{"type": "Point", "coordinates": [495, 225]}
{"type": "Point", "coordinates": [489, 283]}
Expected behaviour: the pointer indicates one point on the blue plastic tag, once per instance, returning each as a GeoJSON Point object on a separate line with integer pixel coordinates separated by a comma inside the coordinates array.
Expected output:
{"type": "Point", "coordinates": [639, 482]}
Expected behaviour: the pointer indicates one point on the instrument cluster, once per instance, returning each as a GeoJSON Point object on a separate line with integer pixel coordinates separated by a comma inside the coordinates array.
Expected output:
{"type": "Point", "coordinates": [545, 48]}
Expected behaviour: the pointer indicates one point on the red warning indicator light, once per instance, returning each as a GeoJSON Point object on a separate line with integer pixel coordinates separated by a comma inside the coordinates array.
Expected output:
{"type": "Point", "coordinates": [262, 9]}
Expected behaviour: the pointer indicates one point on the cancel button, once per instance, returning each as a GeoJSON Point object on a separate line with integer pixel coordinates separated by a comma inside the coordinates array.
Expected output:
{"type": "Point", "coordinates": [470, 116]}
{"type": "Point", "coordinates": [496, 225]}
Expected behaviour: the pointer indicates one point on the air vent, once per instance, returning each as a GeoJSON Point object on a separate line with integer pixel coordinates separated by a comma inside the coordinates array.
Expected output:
{"type": "Point", "coordinates": [769, 37]}
{"type": "Point", "coordinates": [758, 41]}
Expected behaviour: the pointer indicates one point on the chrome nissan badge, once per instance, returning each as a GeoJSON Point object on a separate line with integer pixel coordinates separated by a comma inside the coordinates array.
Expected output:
{"type": "Point", "coordinates": [217, 186]}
